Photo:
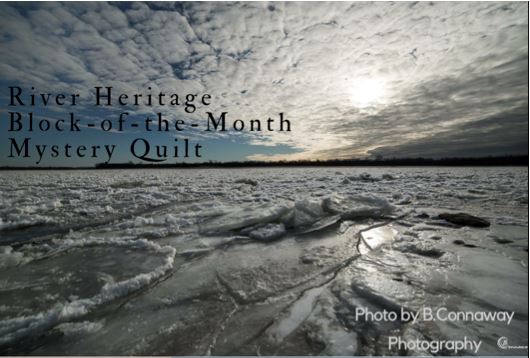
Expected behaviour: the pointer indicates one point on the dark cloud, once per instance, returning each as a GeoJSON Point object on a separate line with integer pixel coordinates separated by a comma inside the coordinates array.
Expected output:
{"type": "Point", "coordinates": [505, 134]}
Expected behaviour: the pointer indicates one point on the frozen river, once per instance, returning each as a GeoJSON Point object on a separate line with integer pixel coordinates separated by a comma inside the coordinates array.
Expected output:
{"type": "Point", "coordinates": [269, 261]}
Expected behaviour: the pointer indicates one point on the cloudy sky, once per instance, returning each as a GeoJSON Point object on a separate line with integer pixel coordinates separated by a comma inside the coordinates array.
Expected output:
{"type": "Point", "coordinates": [355, 79]}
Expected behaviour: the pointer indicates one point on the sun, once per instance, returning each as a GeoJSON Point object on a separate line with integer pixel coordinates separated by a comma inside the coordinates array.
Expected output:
{"type": "Point", "coordinates": [368, 92]}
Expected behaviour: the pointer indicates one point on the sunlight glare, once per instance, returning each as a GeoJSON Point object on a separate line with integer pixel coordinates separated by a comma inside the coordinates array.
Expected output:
{"type": "Point", "coordinates": [368, 92]}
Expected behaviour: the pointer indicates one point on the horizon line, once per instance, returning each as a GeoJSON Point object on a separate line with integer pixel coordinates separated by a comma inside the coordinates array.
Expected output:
{"type": "Point", "coordinates": [506, 160]}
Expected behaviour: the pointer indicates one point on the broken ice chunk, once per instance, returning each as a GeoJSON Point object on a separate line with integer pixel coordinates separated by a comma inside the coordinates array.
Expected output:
{"type": "Point", "coordinates": [358, 206]}
{"type": "Point", "coordinates": [268, 232]}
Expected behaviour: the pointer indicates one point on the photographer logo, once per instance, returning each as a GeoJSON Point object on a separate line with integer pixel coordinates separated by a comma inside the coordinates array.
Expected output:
{"type": "Point", "coordinates": [502, 342]}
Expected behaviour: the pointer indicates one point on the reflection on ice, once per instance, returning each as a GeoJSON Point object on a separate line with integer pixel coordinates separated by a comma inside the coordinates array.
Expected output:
{"type": "Point", "coordinates": [296, 315]}
{"type": "Point", "coordinates": [374, 238]}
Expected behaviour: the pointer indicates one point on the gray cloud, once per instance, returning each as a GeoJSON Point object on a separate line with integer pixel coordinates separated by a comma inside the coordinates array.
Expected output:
{"type": "Point", "coordinates": [452, 74]}
{"type": "Point", "coordinates": [506, 134]}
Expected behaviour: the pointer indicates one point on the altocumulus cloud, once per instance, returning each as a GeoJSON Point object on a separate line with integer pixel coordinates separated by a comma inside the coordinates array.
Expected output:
{"type": "Point", "coordinates": [452, 77]}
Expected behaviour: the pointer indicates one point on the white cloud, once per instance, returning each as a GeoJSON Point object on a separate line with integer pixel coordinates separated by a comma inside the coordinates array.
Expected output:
{"type": "Point", "coordinates": [443, 64]}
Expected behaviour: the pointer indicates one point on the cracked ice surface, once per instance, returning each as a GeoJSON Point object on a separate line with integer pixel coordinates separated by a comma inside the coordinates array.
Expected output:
{"type": "Point", "coordinates": [256, 261]}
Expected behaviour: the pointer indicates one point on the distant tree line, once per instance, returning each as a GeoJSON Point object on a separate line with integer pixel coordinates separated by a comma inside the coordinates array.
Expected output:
{"type": "Point", "coordinates": [484, 161]}
{"type": "Point", "coordinates": [510, 160]}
